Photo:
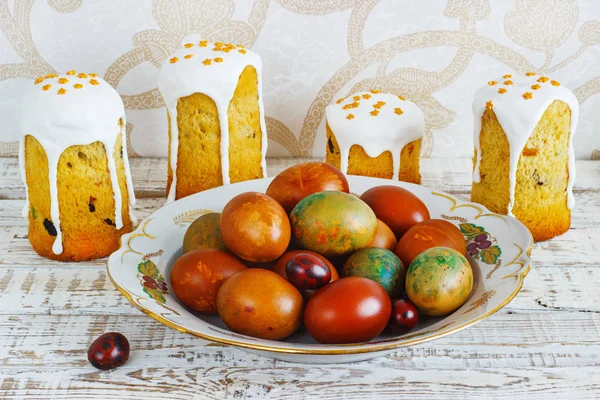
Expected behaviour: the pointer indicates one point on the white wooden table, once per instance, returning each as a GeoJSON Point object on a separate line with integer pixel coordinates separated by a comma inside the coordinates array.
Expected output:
{"type": "Point", "coordinates": [544, 344]}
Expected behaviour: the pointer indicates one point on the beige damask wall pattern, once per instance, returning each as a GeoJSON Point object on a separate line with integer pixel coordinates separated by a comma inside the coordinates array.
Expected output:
{"type": "Point", "coordinates": [435, 52]}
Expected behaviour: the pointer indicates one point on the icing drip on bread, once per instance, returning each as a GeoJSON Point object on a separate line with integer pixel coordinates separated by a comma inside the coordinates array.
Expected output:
{"type": "Point", "coordinates": [61, 111]}
{"type": "Point", "coordinates": [214, 70]}
{"type": "Point", "coordinates": [519, 103]}
{"type": "Point", "coordinates": [377, 122]}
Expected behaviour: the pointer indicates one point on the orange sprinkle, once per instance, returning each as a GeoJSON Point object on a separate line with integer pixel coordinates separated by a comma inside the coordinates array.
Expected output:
{"type": "Point", "coordinates": [366, 96]}
{"type": "Point", "coordinates": [78, 86]}
{"type": "Point", "coordinates": [501, 90]}
{"type": "Point", "coordinates": [555, 83]}
{"type": "Point", "coordinates": [402, 98]}
{"type": "Point", "coordinates": [39, 80]}
{"type": "Point", "coordinates": [49, 76]}
{"type": "Point", "coordinates": [241, 46]}
{"type": "Point", "coordinates": [379, 104]}
{"type": "Point", "coordinates": [508, 82]}
{"type": "Point", "coordinates": [173, 60]}
{"type": "Point", "coordinates": [227, 50]}
{"type": "Point", "coordinates": [347, 107]}
{"type": "Point", "coordinates": [62, 91]}
{"type": "Point", "coordinates": [356, 98]}
{"type": "Point", "coordinates": [242, 51]}
{"type": "Point", "coordinates": [536, 87]}
{"type": "Point", "coordinates": [203, 43]}
{"type": "Point", "coordinates": [530, 74]}
{"type": "Point", "coordinates": [398, 111]}
{"type": "Point", "coordinates": [218, 59]}
{"type": "Point", "coordinates": [63, 80]}
{"type": "Point", "coordinates": [93, 75]}
{"type": "Point", "coordinates": [375, 113]}
{"type": "Point", "coordinates": [94, 82]}
{"type": "Point", "coordinates": [492, 83]}
{"type": "Point", "coordinates": [507, 76]}
{"type": "Point", "coordinates": [188, 45]}
{"type": "Point", "coordinates": [71, 72]}
{"type": "Point", "coordinates": [46, 87]}
{"type": "Point", "coordinates": [338, 101]}
{"type": "Point", "coordinates": [208, 61]}
{"type": "Point", "coordinates": [350, 116]}
{"type": "Point", "coordinates": [375, 91]}
{"type": "Point", "coordinates": [527, 95]}
{"type": "Point", "coordinates": [489, 104]}
{"type": "Point", "coordinates": [217, 49]}
{"type": "Point", "coordinates": [219, 44]}
{"type": "Point", "coordinates": [188, 56]}
{"type": "Point", "coordinates": [543, 79]}
{"type": "Point", "coordinates": [82, 76]}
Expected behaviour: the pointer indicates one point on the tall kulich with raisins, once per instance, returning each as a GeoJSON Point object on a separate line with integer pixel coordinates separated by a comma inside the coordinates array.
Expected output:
{"type": "Point", "coordinates": [217, 132]}
{"type": "Point", "coordinates": [375, 134]}
{"type": "Point", "coordinates": [524, 163]}
{"type": "Point", "coordinates": [74, 165]}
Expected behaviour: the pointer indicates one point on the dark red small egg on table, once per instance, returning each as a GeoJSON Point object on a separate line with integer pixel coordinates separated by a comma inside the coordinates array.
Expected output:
{"type": "Point", "coordinates": [384, 237]}
{"type": "Point", "coordinates": [307, 272]}
{"type": "Point", "coordinates": [428, 234]}
{"type": "Point", "coordinates": [349, 310]}
{"type": "Point", "coordinates": [280, 268]}
{"type": "Point", "coordinates": [109, 351]}
{"type": "Point", "coordinates": [404, 317]}
{"type": "Point", "coordinates": [296, 182]}
{"type": "Point", "coordinates": [398, 208]}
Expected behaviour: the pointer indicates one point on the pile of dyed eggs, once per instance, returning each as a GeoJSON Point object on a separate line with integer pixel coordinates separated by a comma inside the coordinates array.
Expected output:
{"type": "Point", "coordinates": [310, 253]}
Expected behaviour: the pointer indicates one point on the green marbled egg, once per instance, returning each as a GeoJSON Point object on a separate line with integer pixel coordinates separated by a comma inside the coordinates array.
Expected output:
{"type": "Point", "coordinates": [379, 265]}
{"type": "Point", "coordinates": [439, 281]}
{"type": "Point", "coordinates": [333, 223]}
{"type": "Point", "coordinates": [204, 232]}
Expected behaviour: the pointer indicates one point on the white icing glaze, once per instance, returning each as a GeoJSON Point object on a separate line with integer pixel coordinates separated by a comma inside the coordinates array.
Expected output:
{"type": "Point", "coordinates": [180, 77]}
{"type": "Point", "coordinates": [519, 116]}
{"type": "Point", "coordinates": [397, 123]}
{"type": "Point", "coordinates": [88, 111]}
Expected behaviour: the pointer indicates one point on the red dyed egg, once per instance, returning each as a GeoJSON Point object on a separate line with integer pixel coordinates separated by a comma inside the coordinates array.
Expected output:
{"type": "Point", "coordinates": [109, 351]}
{"type": "Point", "coordinates": [307, 272]}
{"type": "Point", "coordinates": [404, 316]}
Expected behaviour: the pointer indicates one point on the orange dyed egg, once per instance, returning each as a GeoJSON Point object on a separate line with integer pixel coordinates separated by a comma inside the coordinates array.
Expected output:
{"type": "Point", "coordinates": [428, 234]}
{"type": "Point", "coordinates": [296, 182]}
{"type": "Point", "coordinates": [396, 207]}
{"type": "Point", "coordinates": [204, 232]}
{"type": "Point", "coordinates": [197, 276]}
{"type": "Point", "coordinates": [260, 303]}
{"type": "Point", "coordinates": [384, 237]}
{"type": "Point", "coordinates": [255, 227]}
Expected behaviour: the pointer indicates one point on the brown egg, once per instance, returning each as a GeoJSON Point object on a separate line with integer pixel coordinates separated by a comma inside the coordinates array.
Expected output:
{"type": "Point", "coordinates": [296, 182]}
{"type": "Point", "coordinates": [197, 276]}
{"type": "Point", "coordinates": [396, 207]}
{"type": "Point", "coordinates": [384, 237]}
{"type": "Point", "coordinates": [204, 232]}
{"type": "Point", "coordinates": [280, 264]}
{"type": "Point", "coordinates": [428, 234]}
{"type": "Point", "coordinates": [260, 303]}
{"type": "Point", "coordinates": [255, 227]}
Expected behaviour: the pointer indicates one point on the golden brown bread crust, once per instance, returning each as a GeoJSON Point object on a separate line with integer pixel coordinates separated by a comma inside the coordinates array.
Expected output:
{"type": "Point", "coordinates": [85, 200]}
{"type": "Point", "coordinates": [199, 150]}
{"type": "Point", "coordinates": [359, 163]}
{"type": "Point", "coordinates": [542, 172]}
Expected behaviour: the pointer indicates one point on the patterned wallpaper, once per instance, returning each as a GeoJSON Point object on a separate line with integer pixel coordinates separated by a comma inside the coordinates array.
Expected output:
{"type": "Point", "coordinates": [434, 52]}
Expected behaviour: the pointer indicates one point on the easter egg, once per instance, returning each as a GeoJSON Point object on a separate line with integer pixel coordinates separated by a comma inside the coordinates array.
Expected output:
{"type": "Point", "coordinates": [428, 234]}
{"type": "Point", "coordinates": [333, 223]}
{"type": "Point", "coordinates": [260, 303]}
{"type": "Point", "coordinates": [379, 265]}
{"type": "Point", "coordinates": [296, 182]}
{"type": "Point", "coordinates": [280, 267]}
{"type": "Point", "coordinates": [255, 227]}
{"type": "Point", "coordinates": [109, 351]}
{"type": "Point", "coordinates": [404, 317]}
{"type": "Point", "coordinates": [396, 207]}
{"type": "Point", "coordinates": [204, 232]}
{"type": "Point", "coordinates": [384, 237]}
{"type": "Point", "coordinates": [439, 281]}
{"type": "Point", "coordinates": [307, 272]}
{"type": "Point", "coordinates": [197, 276]}
{"type": "Point", "coordinates": [349, 310]}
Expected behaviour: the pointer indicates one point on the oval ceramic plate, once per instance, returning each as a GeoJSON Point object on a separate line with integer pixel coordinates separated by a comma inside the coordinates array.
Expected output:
{"type": "Point", "coordinates": [148, 253]}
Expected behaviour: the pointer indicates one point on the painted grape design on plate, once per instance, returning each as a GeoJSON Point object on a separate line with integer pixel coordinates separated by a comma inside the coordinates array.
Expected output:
{"type": "Point", "coordinates": [479, 244]}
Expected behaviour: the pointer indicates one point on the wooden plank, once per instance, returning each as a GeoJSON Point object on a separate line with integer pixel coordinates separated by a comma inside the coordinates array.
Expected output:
{"type": "Point", "coordinates": [534, 355]}
{"type": "Point", "coordinates": [150, 174]}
